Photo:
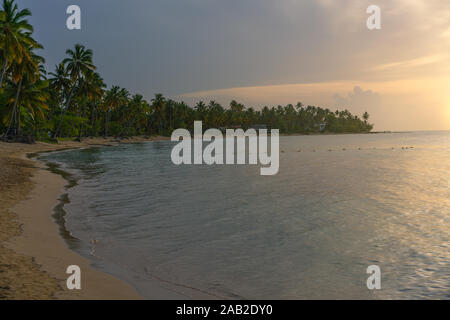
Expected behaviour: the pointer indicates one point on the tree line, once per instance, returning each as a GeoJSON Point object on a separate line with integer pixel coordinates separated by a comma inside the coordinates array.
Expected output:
{"type": "Point", "coordinates": [74, 101]}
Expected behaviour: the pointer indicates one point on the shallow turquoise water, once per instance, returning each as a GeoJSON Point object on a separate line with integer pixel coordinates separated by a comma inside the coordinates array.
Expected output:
{"type": "Point", "coordinates": [339, 204]}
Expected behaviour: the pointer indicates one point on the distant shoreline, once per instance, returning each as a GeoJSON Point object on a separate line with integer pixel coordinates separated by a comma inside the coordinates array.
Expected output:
{"type": "Point", "coordinates": [348, 133]}
{"type": "Point", "coordinates": [332, 133]}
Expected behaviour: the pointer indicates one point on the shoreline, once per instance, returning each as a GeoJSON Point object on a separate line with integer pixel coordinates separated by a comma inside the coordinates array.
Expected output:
{"type": "Point", "coordinates": [33, 253]}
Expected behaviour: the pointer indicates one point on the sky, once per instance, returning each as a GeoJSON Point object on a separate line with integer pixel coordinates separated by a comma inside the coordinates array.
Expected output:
{"type": "Point", "coordinates": [266, 52]}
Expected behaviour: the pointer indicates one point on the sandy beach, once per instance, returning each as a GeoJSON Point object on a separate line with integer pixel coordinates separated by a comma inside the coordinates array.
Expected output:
{"type": "Point", "coordinates": [33, 255]}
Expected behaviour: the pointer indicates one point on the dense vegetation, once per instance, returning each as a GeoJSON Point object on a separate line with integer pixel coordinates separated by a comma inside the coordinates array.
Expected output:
{"type": "Point", "coordinates": [73, 100]}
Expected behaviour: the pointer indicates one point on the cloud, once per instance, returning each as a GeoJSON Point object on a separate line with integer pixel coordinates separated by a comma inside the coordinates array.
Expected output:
{"type": "Point", "coordinates": [266, 51]}
{"type": "Point", "coordinates": [412, 104]}
{"type": "Point", "coordinates": [319, 94]}
{"type": "Point", "coordinates": [358, 100]}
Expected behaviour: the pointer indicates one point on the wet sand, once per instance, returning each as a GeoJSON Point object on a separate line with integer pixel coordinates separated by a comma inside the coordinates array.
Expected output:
{"type": "Point", "coordinates": [33, 255]}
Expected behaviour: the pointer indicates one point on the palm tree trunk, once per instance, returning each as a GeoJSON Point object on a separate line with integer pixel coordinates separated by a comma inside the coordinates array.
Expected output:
{"type": "Point", "coordinates": [106, 125]}
{"type": "Point", "coordinates": [17, 108]}
{"type": "Point", "coordinates": [92, 115]}
{"type": "Point", "coordinates": [13, 114]}
{"type": "Point", "coordinates": [82, 124]}
{"type": "Point", "coordinates": [129, 123]}
{"type": "Point", "coordinates": [64, 112]}
{"type": "Point", "coordinates": [5, 64]}
{"type": "Point", "coordinates": [13, 118]}
{"type": "Point", "coordinates": [149, 126]}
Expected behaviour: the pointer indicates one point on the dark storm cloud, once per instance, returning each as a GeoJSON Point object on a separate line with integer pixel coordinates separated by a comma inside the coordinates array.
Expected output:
{"type": "Point", "coordinates": [181, 46]}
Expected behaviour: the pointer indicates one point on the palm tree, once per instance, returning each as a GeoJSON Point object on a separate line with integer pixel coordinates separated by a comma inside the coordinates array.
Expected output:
{"type": "Point", "coordinates": [96, 93]}
{"type": "Point", "coordinates": [236, 112]}
{"type": "Point", "coordinates": [33, 98]}
{"type": "Point", "coordinates": [136, 112]}
{"type": "Point", "coordinates": [159, 105]}
{"type": "Point", "coordinates": [28, 70]}
{"type": "Point", "coordinates": [59, 83]}
{"type": "Point", "coordinates": [91, 91]}
{"type": "Point", "coordinates": [123, 105]}
{"type": "Point", "coordinates": [111, 102]}
{"type": "Point", "coordinates": [78, 64]}
{"type": "Point", "coordinates": [15, 35]}
{"type": "Point", "coordinates": [366, 116]}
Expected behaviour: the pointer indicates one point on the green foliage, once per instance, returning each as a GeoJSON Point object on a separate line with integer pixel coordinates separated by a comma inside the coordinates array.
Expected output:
{"type": "Point", "coordinates": [70, 124]}
{"type": "Point", "coordinates": [74, 101]}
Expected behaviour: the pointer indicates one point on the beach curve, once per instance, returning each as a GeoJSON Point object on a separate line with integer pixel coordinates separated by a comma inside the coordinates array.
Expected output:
{"type": "Point", "coordinates": [33, 255]}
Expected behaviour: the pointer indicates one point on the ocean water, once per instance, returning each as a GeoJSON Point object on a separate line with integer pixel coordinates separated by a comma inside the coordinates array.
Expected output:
{"type": "Point", "coordinates": [338, 204]}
